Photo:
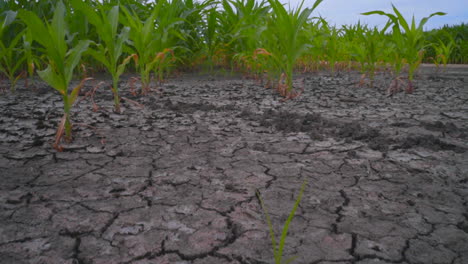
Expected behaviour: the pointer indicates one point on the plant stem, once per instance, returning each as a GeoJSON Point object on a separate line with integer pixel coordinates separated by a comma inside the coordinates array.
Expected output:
{"type": "Point", "coordinates": [12, 84]}
{"type": "Point", "coordinates": [115, 83]}
{"type": "Point", "coordinates": [66, 108]}
{"type": "Point", "coordinates": [289, 77]}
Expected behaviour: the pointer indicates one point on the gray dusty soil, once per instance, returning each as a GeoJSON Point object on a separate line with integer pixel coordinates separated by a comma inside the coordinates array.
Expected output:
{"type": "Point", "coordinates": [175, 181]}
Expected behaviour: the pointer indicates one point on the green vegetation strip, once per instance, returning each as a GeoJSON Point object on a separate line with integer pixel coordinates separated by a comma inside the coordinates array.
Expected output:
{"type": "Point", "coordinates": [261, 39]}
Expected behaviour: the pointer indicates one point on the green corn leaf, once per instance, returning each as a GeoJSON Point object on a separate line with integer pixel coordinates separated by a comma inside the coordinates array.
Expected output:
{"type": "Point", "coordinates": [17, 65]}
{"type": "Point", "coordinates": [128, 19]}
{"type": "Point", "coordinates": [211, 27]}
{"type": "Point", "coordinates": [302, 49]}
{"type": "Point", "coordinates": [57, 29]}
{"type": "Point", "coordinates": [17, 78]}
{"type": "Point", "coordinates": [99, 56]}
{"type": "Point", "coordinates": [53, 79]}
{"type": "Point", "coordinates": [20, 55]}
{"type": "Point", "coordinates": [392, 18]}
{"type": "Point", "coordinates": [17, 38]}
{"type": "Point", "coordinates": [376, 12]}
{"type": "Point", "coordinates": [121, 67]}
{"type": "Point", "coordinates": [75, 91]}
{"type": "Point", "coordinates": [401, 19]}
{"type": "Point", "coordinates": [41, 33]}
{"type": "Point", "coordinates": [316, 4]}
{"type": "Point", "coordinates": [113, 19]}
{"type": "Point", "coordinates": [90, 13]}
{"type": "Point", "coordinates": [9, 18]}
{"type": "Point", "coordinates": [74, 56]}
{"type": "Point", "coordinates": [121, 39]}
{"type": "Point", "coordinates": [128, 49]}
{"type": "Point", "coordinates": [424, 20]}
{"type": "Point", "coordinates": [27, 45]}
{"type": "Point", "coordinates": [172, 33]}
{"type": "Point", "coordinates": [149, 26]}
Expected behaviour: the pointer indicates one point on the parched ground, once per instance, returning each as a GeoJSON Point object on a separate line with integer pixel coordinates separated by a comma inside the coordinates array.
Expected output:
{"type": "Point", "coordinates": [175, 180]}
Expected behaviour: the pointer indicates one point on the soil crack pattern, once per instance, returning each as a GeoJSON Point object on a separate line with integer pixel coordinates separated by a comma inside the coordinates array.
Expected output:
{"type": "Point", "coordinates": [173, 178]}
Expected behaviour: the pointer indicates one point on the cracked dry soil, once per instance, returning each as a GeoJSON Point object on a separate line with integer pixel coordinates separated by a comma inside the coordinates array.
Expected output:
{"type": "Point", "coordinates": [175, 181]}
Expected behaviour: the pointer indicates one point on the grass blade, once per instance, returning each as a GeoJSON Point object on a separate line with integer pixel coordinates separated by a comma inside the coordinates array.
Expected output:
{"type": "Point", "coordinates": [278, 248]}
{"type": "Point", "coordinates": [290, 218]}
{"type": "Point", "coordinates": [270, 227]}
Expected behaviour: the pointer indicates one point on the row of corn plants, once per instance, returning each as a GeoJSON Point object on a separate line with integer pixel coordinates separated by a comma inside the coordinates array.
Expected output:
{"type": "Point", "coordinates": [53, 38]}
{"type": "Point", "coordinates": [448, 44]}
{"type": "Point", "coordinates": [262, 39]}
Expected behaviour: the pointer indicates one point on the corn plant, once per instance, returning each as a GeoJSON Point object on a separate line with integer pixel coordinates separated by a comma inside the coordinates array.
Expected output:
{"type": "Point", "coordinates": [109, 51]}
{"type": "Point", "coordinates": [200, 17]}
{"type": "Point", "coordinates": [210, 33]}
{"type": "Point", "coordinates": [164, 61]}
{"type": "Point", "coordinates": [141, 36]}
{"type": "Point", "coordinates": [228, 21]}
{"type": "Point", "coordinates": [245, 21]}
{"type": "Point", "coordinates": [43, 9]}
{"type": "Point", "coordinates": [460, 36]}
{"type": "Point", "coordinates": [31, 59]}
{"type": "Point", "coordinates": [156, 34]}
{"type": "Point", "coordinates": [369, 49]}
{"type": "Point", "coordinates": [443, 52]}
{"type": "Point", "coordinates": [332, 45]}
{"type": "Point", "coordinates": [248, 24]}
{"type": "Point", "coordinates": [278, 248]}
{"type": "Point", "coordinates": [188, 42]}
{"type": "Point", "coordinates": [312, 59]}
{"type": "Point", "coordinates": [286, 39]}
{"type": "Point", "coordinates": [62, 59]}
{"type": "Point", "coordinates": [169, 35]}
{"type": "Point", "coordinates": [11, 56]}
{"type": "Point", "coordinates": [410, 43]}
{"type": "Point", "coordinates": [457, 33]}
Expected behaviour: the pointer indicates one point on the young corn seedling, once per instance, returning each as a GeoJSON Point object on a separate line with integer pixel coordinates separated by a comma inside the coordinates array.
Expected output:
{"type": "Point", "coordinates": [170, 34]}
{"type": "Point", "coordinates": [31, 59]}
{"type": "Point", "coordinates": [11, 56]}
{"type": "Point", "coordinates": [311, 60]}
{"type": "Point", "coordinates": [369, 49]}
{"type": "Point", "coordinates": [62, 59]}
{"type": "Point", "coordinates": [410, 43]}
{"type": "Point", "coordinates": [196, 16]}
{"type": "Point", "coordinates": [240, 25]}
{"type": "Point", "coordinates": [278, 248]}
{"type": "Point", "coordinates": [109, 51]}
{"type": "Point", "coordinates": [211, 37]}
{"type": "Point", "coordinates": [164, 60]}
{"type": "Point", "coordinates": [443, 52]}
{"type": "Point", "coordinates": [142, 38]}
{"type": "Point", "coordinates": [154, 35]}
{"type": "Point", "coordinates": [227, 27]}
{"type": "Point", "coordinates": [332, 45]}
{"type": "Point", "coordinates": [249, 24]}
{"type": "Point", "coordinates": [286, 39]}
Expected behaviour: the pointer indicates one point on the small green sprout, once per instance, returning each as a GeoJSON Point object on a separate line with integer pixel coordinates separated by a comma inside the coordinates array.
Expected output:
{"type": "Point", "coordinates": [278, 248]}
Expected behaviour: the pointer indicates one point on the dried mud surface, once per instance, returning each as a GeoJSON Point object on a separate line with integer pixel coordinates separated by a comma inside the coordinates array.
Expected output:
{"type": "Point", "coordinates": [175, 181]}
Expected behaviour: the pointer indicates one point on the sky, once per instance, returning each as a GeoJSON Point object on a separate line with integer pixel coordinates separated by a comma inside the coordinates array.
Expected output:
{"type": "Point", "coordinates": [341, 12]}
